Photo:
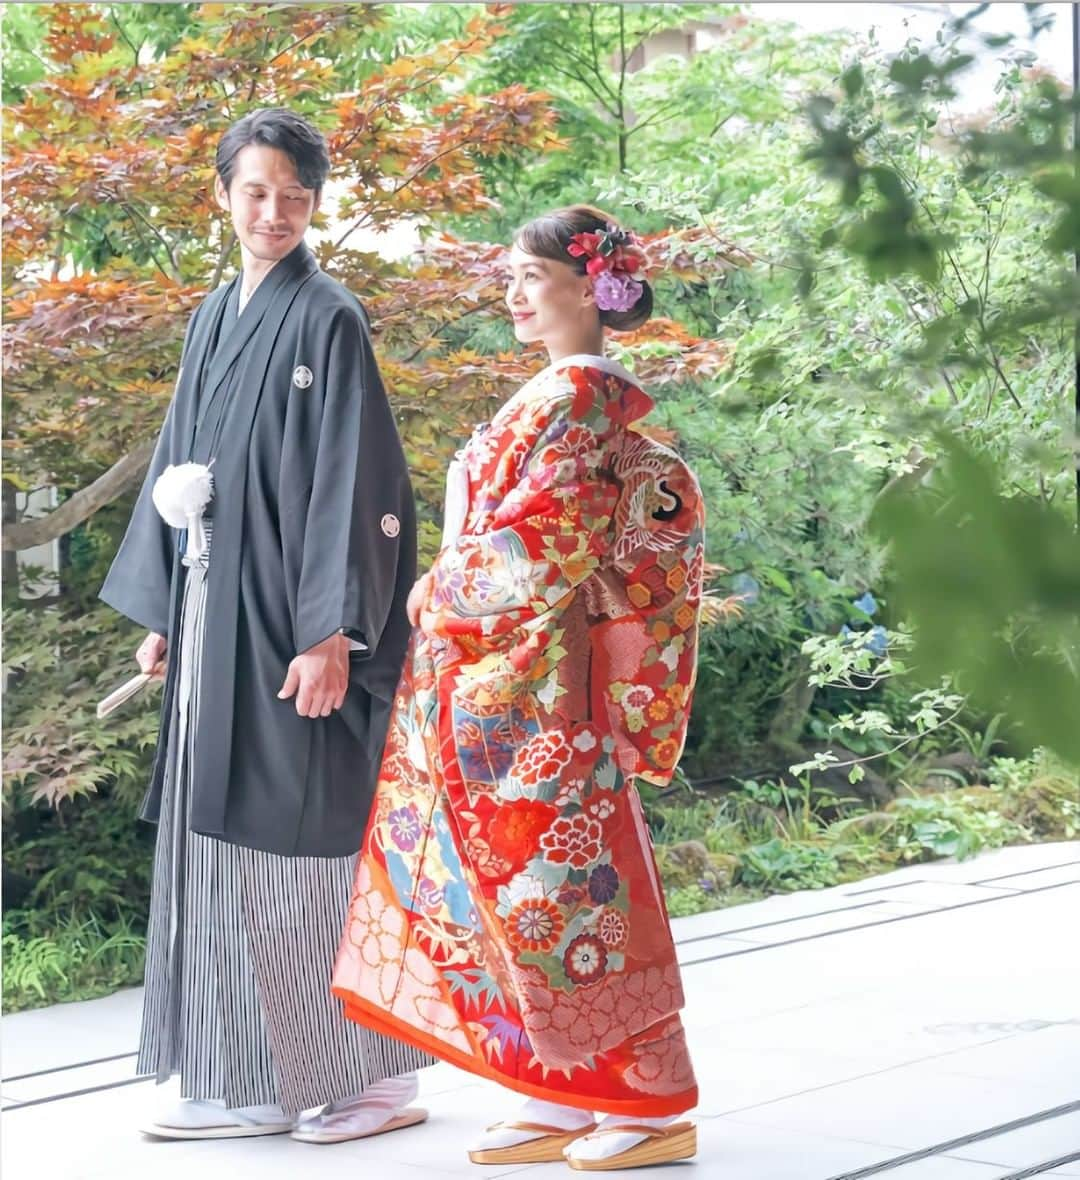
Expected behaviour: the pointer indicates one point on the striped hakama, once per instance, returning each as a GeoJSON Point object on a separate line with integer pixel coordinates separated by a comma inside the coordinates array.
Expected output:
{"type": "Point", "coordinates": [241, 945]}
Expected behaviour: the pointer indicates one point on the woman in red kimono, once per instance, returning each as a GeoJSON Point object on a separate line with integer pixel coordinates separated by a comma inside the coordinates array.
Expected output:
{"type": "Point", "coordinates": [507, 914]}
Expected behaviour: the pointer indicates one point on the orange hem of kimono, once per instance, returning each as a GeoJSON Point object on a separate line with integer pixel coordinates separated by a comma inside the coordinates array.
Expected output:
{"type": "Point", "coordinates": [363, 1012]}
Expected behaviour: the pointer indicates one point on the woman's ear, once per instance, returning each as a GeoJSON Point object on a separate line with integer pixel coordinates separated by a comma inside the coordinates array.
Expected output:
{"type": "Point", "coordinates": [588, 293]}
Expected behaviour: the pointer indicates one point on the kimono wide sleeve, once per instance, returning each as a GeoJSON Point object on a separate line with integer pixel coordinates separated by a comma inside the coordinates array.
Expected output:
{"type": "Point", "coordinates": [657, 574]}
{"type": "Point", "coordinates": [547, 536]}
{"type": "Point", "coordinates": [139, 581]}
{"type": "Point", "coordinates": [358, 543]}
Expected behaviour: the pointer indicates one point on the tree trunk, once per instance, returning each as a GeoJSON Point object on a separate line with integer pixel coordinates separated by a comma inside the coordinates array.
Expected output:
{"type": "Point", "coordinates": [11, 561]}
{"type": "Point", "coordinates": [789, 720]}
{"type": "Point", "coordinates": [81, 506]}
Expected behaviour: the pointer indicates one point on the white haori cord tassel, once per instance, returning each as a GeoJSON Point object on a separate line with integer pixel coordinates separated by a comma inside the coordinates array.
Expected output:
{"type": "Point", "coordinates": [456, 504]}
{"type": "Point", "coordinates": [181, 494]}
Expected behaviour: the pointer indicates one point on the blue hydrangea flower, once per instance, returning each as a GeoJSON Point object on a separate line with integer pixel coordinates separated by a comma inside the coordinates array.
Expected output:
{"type": "Point", "coordinates": [878, 642]}
{"type": "Point", "coordinates": [867, 604]}
{"type": "Point", "coordinates": [748, 588]}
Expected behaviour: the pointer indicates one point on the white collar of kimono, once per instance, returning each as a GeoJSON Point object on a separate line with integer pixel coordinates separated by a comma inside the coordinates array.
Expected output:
{"type": "Point", "coordinates": [597, 362]}
{"type": "Point", "coordinates": [244, 297]}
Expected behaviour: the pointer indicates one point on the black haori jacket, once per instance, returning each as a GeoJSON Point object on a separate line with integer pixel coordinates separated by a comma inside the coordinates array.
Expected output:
{"type": "Point", "coordinates": [313, 533]}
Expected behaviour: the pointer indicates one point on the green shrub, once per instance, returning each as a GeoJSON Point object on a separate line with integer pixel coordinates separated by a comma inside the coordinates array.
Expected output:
{"type": "Point", "coordinates": [780, 866]}
{"type": "Point", "coordinates": [76, 897]}
{"type": "Point", "coordinates": [688, 900]}
{"type": "Point", "coordinates": [767, 837]}
{"type": "Point", "coordinates": [75, 961]}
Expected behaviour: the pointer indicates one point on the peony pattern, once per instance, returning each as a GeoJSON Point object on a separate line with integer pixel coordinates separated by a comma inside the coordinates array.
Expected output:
{"type": "Point", "coordinates": [516, 828]}
{"type": "Point", "coordinates": [574, 840]}
{"type": "Point", "coordinates": [542, 759]}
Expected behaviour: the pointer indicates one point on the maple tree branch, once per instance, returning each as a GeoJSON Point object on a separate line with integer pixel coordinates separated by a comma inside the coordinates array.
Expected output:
{"type": "Point", "coordinates": [299, 41]}
{"type": "Point", "coordinates": [130, 44]}
{"type": "Point", "coordinates": [142, 238]}
{"type": "Point", "coordinates": [174, 270]}
{"type": "Point", "coordinates": [660, 110]}
{"type": "Point", "coordinates": [588, 86]}
{"type": "Point", "coordinates": [661, 23]}
{"type": "Point", "coordinates": [83, 504]}
{"type": "Point", "coordinates": [223, 257]}
{"type": "Point", "coordinates": [449, 324]}
{"type": "Point", "coordinates": [255, 77]}
{"type": "Point", "coordinates": [58, 254]}
{"type": "Point", "coordinates": [604, 94]}
{"type": "Point", "coordinates": [623, 59]}
{"type": "Point", "coordinates": [596, 55]}
{"type": "Point", "coordinates": [416, 172]}
{"type": "Point", "coordinates": [433, 74]}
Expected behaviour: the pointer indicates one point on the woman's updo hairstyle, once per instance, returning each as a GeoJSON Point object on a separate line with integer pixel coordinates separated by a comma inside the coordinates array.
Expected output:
{"type": "Point", "coordinates": [549, 237]}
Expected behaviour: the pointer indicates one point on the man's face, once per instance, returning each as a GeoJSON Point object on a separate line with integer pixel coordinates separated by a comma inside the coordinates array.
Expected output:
{"type": "Point", "coordinates": [269, 207]}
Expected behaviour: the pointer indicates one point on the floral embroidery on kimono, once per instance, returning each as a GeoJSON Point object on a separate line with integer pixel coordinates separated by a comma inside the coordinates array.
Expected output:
{"type": "Point", "coordinates": [507, 913]}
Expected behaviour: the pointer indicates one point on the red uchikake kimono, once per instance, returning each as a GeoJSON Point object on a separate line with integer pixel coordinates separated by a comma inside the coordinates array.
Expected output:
{"type": "Point", "coordinates": [507, 915]}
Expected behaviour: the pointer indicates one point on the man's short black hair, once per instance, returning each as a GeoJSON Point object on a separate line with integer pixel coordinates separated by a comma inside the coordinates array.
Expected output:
{"type": "Point", "coordinates": [280, 128]}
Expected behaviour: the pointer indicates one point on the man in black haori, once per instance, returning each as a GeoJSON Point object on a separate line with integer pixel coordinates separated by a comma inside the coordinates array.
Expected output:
{"type": "Point", "coordinates": [269, 555]}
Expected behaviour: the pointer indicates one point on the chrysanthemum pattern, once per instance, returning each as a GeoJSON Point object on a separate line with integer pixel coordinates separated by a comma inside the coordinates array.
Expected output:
{"type": "Point", "coordinates": [613, 928]}
{"type": "Point", "coordinates": [535, 925]}
{"type": "Point", "coordinates": [585, 960]}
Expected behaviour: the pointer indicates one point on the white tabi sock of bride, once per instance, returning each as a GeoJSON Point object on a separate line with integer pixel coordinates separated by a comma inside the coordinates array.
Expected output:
{"type": "Point", "coordinates": [603, 1147]}
{"type": "Point", "coordinates": [569, 1118]}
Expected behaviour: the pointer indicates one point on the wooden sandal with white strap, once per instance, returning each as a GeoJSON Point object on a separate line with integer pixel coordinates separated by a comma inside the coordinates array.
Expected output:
{"type": "Point", "coordinates": [547, 1147]}
{"type": "Point", "coordinates": [662, 1145]}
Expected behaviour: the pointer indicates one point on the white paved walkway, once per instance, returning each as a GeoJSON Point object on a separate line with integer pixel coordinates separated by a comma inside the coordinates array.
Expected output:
{"type": "Point", "coordinates": [835, 1034]}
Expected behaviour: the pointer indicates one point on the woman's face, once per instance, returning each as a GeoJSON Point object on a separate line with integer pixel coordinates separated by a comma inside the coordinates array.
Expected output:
{"type": "Point", "coordinates": [548, 300]}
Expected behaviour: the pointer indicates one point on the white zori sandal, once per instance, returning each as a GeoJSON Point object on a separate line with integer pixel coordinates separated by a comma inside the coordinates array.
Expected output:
{"type": "Point", "coordinates": [381, 1108]}
{"type": "Point", "coordinates": [197, 1119]}
{"type": "Point", "coordinates": [546, 1144]}
{"type": "Point", "coordinates": [658, 1145]}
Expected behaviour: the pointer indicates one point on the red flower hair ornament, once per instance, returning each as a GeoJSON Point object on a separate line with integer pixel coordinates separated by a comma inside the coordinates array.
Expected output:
{"type": "Point", "coordinates": [615, 255]}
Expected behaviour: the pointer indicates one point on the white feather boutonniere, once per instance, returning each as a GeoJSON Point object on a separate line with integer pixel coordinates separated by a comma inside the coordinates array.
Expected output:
{"type": "Point", "coordinates": [181, 494]}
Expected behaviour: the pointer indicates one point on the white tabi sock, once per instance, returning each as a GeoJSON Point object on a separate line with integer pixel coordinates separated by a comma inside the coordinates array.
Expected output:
{"type": "Point", "coordinates": [361, 1114]}
{"type": "Point", "coordinates": [569, 1118]}
{"type": "Point", "coordinates": [193, 1114]}
{"type": "Point", "coordinates": [603, 1147]}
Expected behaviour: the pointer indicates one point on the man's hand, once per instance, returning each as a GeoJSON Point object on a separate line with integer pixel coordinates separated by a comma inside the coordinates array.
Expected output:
{"type": "Point", "coordinates": [150, 655]}
{"type": "Point", "coordinates": [319, 677]}
{"type": "Point", "coordinates": [418, 596]}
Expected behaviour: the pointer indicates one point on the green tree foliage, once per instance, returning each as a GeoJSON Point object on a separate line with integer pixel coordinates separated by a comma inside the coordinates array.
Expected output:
{"type": "Point", "coordinates": [864, 347]}
{"type": "Point", "coordinates": [984, 553]}
{"type": "Point", "coordinates": [112, 236]}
